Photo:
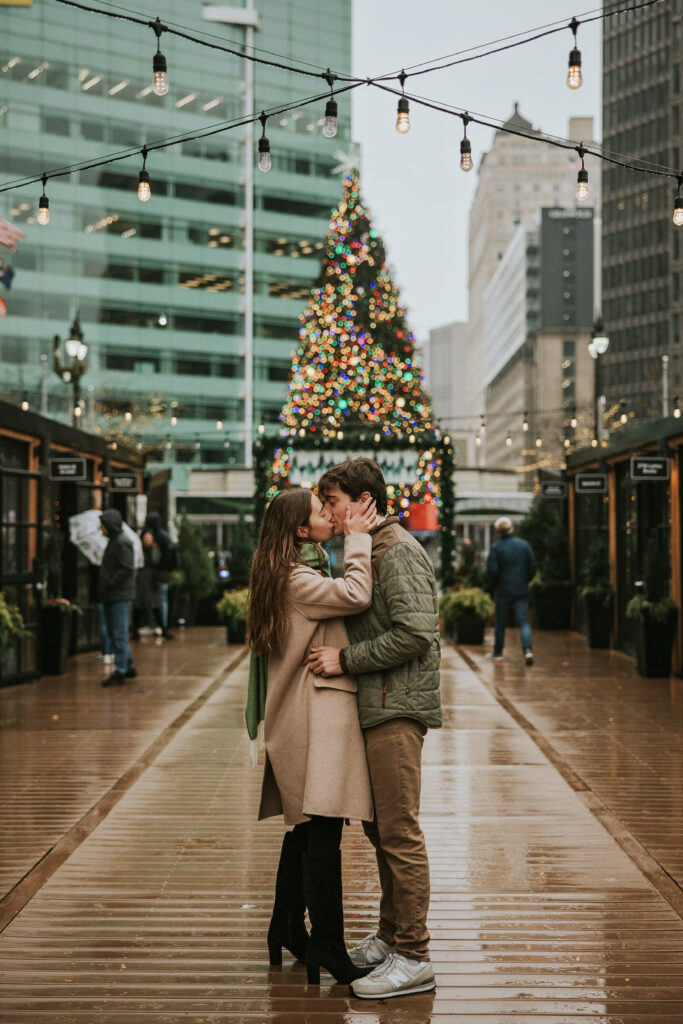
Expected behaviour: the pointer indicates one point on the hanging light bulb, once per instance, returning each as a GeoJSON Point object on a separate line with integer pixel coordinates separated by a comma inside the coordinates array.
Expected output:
{"type": "Point", "coordinates": [160, 79]}
{"type": "Point", "coordinates": [128, 416]}
{"type": "Point", "coordinates": [581, 178]}
{"type": "Point", "coordinates": [403, 110]}
{"type": "Point", "coordinates": [44, 206]}
{"type": "Point", "coordinates": [264, 159]}
{"type": "Point", "coordinates": [539, 442]}
{"type": "Point", "coordinates": [330, 122]}
{"type": "Point", "coordinates": [219, 424]}
{"type": "Point", "coordinates": [482, 425]}
{"type": "Point", "coordinates": [566, 442]}
{"type": "Point", "coordinates": [574, 77]}
{"type": "Point", "coordinates": [508, 441]}
{"type": "Point", "coordinates": [623, 419]}
{"type": "Point", "coordinates": [465, 147]}
{"type": "Point", "coordinates": [525, 422]}
{"type": "Point", "coordinates": [678, 205]}
{"type": "Point", "coordinates": [573, 421]}
{"type": "Point", "coordinates": [594, 442]}
{"type": "Point", "coordinates": [24, 402]}
{"type": "Point", "coordinates": [144, 188]}
{"type": "Point", "coordinates": [174, 421]}
{"type": "Point", "coordinates": [677, 409]}
{"type": "Point", "coordinates": [477, 440]}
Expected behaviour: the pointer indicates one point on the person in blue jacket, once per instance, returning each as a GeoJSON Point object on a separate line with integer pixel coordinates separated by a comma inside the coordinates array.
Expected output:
{"type": "Point", "coordinates": [511, 563]}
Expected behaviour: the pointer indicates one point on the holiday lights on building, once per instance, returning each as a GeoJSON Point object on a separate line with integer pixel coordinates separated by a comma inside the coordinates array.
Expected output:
{"type": "Point", "coordinates": [356, 366]}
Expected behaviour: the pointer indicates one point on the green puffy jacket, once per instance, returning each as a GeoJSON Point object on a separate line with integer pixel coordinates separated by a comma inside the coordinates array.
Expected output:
{"type": "Point", "coordinates": [395, 646]}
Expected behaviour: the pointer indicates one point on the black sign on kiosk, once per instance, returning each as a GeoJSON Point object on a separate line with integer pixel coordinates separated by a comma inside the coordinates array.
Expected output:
{"type": "Point", "coordinates": [553, 489]}
{"type": "Point", "coordinates": [123, 480]}
{"type": "Point", "coordinates": [590, 483]}
{"type": "Point", "coordinates": [68, 469]}
{"type": "Point", "coordinates": [650, 467]}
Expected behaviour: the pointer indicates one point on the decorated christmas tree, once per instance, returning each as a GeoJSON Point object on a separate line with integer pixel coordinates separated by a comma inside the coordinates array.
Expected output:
{"type": "Point", "coordinates": [355, 380]}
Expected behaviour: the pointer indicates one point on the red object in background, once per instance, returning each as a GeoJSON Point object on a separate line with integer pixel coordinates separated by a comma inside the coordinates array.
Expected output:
{"type": "Point", "coordinates": [423, 517]}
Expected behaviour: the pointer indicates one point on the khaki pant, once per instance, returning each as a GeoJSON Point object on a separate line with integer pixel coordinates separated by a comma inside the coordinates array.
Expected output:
{"type": "Point", "coordinates": [394, 751]}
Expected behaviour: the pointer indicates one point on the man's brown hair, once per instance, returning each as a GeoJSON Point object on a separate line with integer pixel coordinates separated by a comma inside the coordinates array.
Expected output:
{"type": "Point", "coordinates": [354, 477]}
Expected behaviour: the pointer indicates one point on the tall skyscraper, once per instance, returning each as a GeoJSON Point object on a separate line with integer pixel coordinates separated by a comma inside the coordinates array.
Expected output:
{"type": "Point", "coordinates": [641, 251]}
{"type": "Point", "coordinates": [516, 177]}
{"type": "Point", "coordinates": [189, 302]}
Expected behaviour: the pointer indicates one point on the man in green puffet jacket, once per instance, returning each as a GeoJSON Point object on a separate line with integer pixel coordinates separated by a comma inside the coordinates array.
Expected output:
{"type": "Point", "coordinates": [394, 653]}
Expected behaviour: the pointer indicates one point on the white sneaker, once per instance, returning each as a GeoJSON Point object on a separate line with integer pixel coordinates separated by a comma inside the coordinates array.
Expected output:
{"type": "Point", "coordinates": [529, 657]}
{"type": "Point", "coordinates": [146, 631]}
{"type": "Point", "coordinates": [108, 659]}
{"type": "Point", "coordinates": [397, 976]}
{"type": "Point", "coordinates": [495, 657]}
{"type": "Point", "coordinates": [372, 950]}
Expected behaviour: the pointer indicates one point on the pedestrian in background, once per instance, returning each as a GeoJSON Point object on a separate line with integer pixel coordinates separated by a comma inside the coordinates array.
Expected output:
{"type": "Point", "coordinates": [147, 608]}
{"type": "Point", "coordinates": [511, 563]}
{"type": "Point", "coordinates": [169, 562]}
{"type": "Point", "coordinates": [117, 592]}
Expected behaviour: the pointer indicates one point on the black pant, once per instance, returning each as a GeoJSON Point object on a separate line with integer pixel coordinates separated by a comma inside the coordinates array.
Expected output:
{"type": "Point", "coordinates": [320, 836]}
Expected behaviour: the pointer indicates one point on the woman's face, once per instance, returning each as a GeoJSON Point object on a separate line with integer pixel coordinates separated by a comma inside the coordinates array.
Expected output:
{"type": "Point", "coordinates": [319, 525]}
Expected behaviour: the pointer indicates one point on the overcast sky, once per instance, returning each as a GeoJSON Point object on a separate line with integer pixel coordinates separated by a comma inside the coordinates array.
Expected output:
{"type": "Point", "coordinates": [417, 194]}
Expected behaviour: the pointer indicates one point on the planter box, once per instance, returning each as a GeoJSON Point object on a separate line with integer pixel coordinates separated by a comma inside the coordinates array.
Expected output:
{"type": "Point", "coordinates": [552, 605]}
{"type": "Point", "coordinates": [55, 634]}
{"type": "Point", "coordinates": [600, 617]}
{"type": "Point", "coordinates": [654, 644]}
{"type": "Point", "coordinates": [469, 628]}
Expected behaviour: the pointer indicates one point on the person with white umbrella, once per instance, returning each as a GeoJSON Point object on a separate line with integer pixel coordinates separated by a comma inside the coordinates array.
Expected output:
{"type": "Point", "coordinates": [117, 591]}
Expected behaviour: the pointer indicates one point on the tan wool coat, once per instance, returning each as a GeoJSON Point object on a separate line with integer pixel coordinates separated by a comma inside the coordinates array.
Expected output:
{"type": "Point", "coordinates": [315, 755]}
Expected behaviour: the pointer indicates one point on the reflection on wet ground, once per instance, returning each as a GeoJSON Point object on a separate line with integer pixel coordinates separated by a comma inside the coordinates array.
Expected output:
{"type": "Point", "coordinates": [159, 915]}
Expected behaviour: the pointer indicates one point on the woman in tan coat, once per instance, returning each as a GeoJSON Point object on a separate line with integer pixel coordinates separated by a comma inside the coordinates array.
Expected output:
{"type": "Point", "coordinates": [316, 772]}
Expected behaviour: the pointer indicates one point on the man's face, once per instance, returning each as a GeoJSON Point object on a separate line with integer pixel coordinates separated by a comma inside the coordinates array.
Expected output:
{"type": "Point", "coordinates": [336, 504]}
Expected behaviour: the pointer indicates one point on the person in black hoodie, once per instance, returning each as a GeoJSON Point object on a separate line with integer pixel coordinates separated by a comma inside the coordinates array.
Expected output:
{"type": "Point", "coordinates": [168, 562]}
{"type": "Point", "coordinates": [117, 591]}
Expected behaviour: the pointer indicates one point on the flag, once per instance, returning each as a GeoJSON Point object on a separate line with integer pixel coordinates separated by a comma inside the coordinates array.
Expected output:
{"type": "Point", "coordinates": [6, 274]}
{"type": "Point", "coordinates": [9, 235]}
{"type": "Point", "coordinates": [3, 307]}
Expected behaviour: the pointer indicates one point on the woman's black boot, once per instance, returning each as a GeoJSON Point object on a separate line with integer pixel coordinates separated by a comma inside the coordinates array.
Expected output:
{"type": "Point", "coordinates": [287, 929]}
{"type": "Point", "coordinates": [326, 949]}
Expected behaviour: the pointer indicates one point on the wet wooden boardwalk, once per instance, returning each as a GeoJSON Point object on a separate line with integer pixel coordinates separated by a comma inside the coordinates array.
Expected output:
{"type": "Point", "coordinates": [152, 906]}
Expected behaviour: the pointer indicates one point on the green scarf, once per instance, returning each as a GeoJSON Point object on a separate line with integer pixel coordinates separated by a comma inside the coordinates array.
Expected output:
{"type": "Point", "coordinates": [255, 711]}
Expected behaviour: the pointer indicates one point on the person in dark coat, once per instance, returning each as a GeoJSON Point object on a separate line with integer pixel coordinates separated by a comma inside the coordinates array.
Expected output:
{"type": "Point", "coordinates": [511, 563]}
{"type": "Point", "coordinates": [168, 562]}
{"type": "Point", "coordinates": [147, 607]}
{"type": "Point", "coordinates": [117, 591]}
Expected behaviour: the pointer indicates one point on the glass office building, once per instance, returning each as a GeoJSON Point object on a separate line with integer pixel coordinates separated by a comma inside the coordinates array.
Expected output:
{"type": "Point", "coordinates": [189, 303]}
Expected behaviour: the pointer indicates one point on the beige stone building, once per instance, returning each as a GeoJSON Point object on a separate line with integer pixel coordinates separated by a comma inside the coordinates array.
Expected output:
{"type": "Point", "coordinates": [516, 178]}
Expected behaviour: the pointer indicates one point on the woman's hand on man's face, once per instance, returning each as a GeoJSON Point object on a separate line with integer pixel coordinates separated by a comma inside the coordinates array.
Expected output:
{"type": "Point", "coordinates": [360, 519]}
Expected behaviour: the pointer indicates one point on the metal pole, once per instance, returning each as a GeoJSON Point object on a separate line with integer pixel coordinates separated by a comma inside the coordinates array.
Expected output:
{"type": "Point", "coordinates": [665, 386]}
{"type": "Point", "coordinates": [249, 252]}
{"type": "Point", "coordinates": [77, 397]}
{"type": "Point", "coordinates": [596, 397]}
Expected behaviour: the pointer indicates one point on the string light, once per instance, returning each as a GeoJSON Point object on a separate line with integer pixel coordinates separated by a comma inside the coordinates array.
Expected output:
{"type": "Point", "coordinates": [264, 158]}
{"type": "Point", "coordinates": [677, 409]}
{"type": "Point", "coordinates": [44, 206]}
{"type": "Point", "coordinates": [403, 109]}
{"type": "Point", "coordinates": [144, 188]}
{"type": "Point", "coordinates": [582, 177]}
{"type": "Point", "coordinates": [330, 122]}
{"type": "Point", "coordinates": [465, 147]}
{"type": "Point", "coordinates": [160, 76]}
{"type": "Point", "coordinates": [574, 76]}
{"type": "Point", "coordinates": [678, 204]}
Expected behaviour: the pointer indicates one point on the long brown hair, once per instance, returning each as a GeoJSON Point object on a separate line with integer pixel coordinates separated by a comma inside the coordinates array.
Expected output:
{"type": "Point", "coordinates": [276, 555]}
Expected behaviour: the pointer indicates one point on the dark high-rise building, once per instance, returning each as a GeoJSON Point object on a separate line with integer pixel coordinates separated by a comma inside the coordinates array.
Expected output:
{"type": "Point", "coordinates": [641, 250]}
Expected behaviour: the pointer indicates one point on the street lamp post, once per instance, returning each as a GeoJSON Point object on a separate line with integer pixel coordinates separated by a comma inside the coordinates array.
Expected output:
{"type": "Point", "coordinates": [597, 347]}
{"type": "Point", "coordinates": [71, 369]}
